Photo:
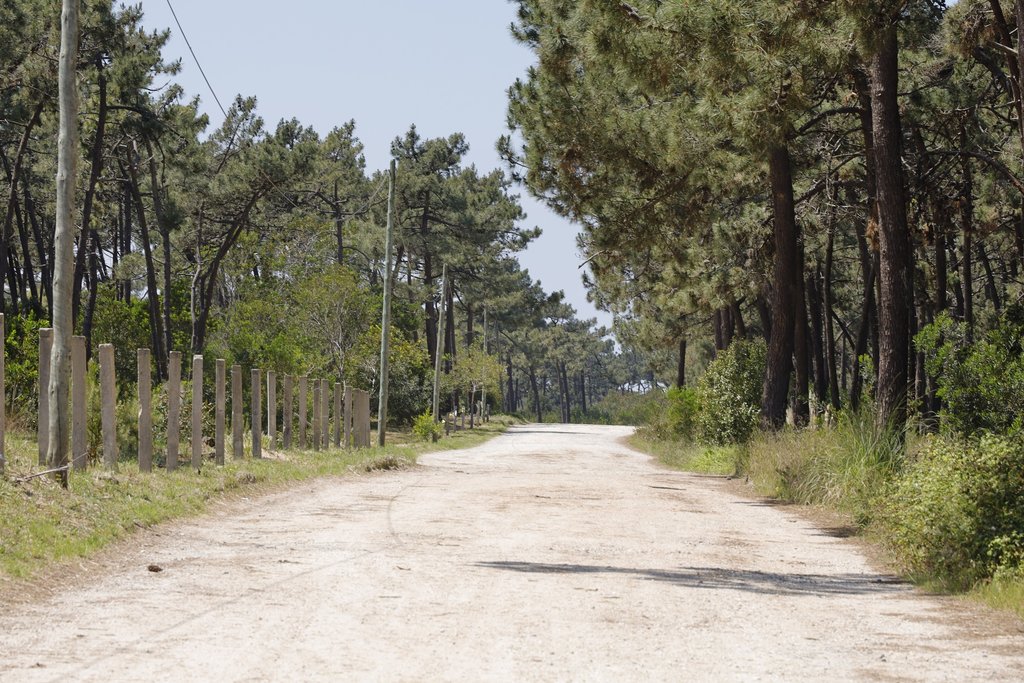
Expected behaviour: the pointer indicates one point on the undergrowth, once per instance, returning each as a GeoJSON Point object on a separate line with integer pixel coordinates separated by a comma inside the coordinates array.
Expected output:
{"type": "Point", "coordinates": [946, 509]}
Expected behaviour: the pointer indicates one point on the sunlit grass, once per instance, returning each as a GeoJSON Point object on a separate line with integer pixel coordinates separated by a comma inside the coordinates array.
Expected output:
{"type": "Point", "coordinates": [687, 456]}
{"type": "Point", "coordinates": [1003, 593]}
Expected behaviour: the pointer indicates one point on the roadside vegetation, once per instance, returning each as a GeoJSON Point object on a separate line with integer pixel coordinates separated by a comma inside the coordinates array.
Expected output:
{"type": "Point", "coordinates": [945, 500]}
{"type": "Point", "coordinates": [822, 203]}
{"type": "Point", "coordinates": [42, 523]}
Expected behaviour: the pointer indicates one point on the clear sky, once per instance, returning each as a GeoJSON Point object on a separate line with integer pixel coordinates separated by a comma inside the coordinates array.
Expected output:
{"type": "Point", "coordinates": [444, 65]}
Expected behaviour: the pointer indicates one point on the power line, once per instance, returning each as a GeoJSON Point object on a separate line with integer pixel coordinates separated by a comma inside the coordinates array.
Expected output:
{"type": "Point", "coordinates": [220, 105]}
{"type": "Point", "coordinates": [196, 59]}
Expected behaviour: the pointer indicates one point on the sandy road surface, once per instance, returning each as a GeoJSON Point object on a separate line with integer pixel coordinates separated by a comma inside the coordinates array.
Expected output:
{"type": "Point", "coordinates": [551, 553]}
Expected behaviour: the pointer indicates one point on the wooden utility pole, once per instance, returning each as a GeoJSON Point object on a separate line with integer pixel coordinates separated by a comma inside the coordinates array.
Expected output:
{"type": "Point", "coordinates": [436, 405]}
{"type": "Point", "coordinates": [385, 321]}
{"type": "Point", "coordinates": [64, 243]}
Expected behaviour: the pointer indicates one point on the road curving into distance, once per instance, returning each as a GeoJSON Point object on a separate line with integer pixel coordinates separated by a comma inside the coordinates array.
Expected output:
{"type": "Point", "coordinates": [549, 553]}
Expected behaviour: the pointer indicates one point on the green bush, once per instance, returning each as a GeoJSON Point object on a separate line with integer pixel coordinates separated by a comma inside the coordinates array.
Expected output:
{"type": "Point", "coordinates": [125, 324]}
{"type": "Point", "coordinates": [981, 383]}
{"type": "Point", "coordinates": [427, 428]}
{"type": "Point", "coordinates": [729, 394]}
{"type": "Point", "coordinates": [957, 513]}
{"type": "Point", "coordinates": [682, 409]}
{"type": "Point", "coordinates": [22, 365]}
{"type": "Point", "coordinates": [628, 408]}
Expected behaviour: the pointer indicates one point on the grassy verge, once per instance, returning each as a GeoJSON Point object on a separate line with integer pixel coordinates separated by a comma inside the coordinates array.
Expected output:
{"type": "Point", "coordinates": [1002, 593]}
{"type": "Point", "coordinates": [690, 457]}
{"type": "Point", "coordinates": [41, 524]}
{"type": "Point", "coordinates": [923, 510]}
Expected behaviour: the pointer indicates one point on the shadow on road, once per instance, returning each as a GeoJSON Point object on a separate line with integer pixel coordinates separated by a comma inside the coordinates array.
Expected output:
{"type": "Point", "coordinates": [766, 583]}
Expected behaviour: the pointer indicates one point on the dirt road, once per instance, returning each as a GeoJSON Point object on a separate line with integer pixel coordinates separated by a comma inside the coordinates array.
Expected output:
{"type": "Point", "coordinates": [551, 553]}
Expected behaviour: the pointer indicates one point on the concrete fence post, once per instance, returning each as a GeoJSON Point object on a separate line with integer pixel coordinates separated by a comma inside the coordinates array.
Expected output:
{"type": "Point", "coordinates": [357, 418]}
{"type": "Point", "coordinates": [79, 438]}
{"type": "Point", "coordinates": [287, 413]}
{"type": "Point", "coordinates": [367, 421]}
{"type": "Point", "coordinates": [43, 432]}
{"type": "Point", "coordinates": [173, 409]}
{"type": "Point", "coordinates": [197, 412]}
{"type": "Point", "coordinates": [303, 391]}
{"type": "Point", "coordinates": [220, 417]}
{"type": "Point", "coordinates": [362, 417]}
{"type": "Point", "coordinates": [337, 414]}
{"type": "Point", "coordinates": [145, 386]}
{"type": "Point", "coordinates": [236, 413]}
{"type": "Point", "coordinates": [108, 403]}
{"type": "Point", "coordinates": [316, 414]}
{"type": "Point", "coordinates": [325, 414]}
{"type": "Point", "coordinates": [272, 408]}
{"type": "Point", "coordinates": [257, 414]}
{"type": "Point", "coordinates": [347, 418]}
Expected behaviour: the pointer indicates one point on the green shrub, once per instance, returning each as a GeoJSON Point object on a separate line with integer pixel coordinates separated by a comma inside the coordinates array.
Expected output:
{"type": "Point", "coordinates": [427, 428]}
{"type": "Point", "coordinates": [628, 408]}
{"type": "Point", "coordinates": [729, 394]}
{"type": "Point", "coordinates": [22, 365]}
{"type": "Point", "coordinates": [957, 513]}
{"type": "Point", "coordinates": [125, 324]}
{"type": "Point", "coordinates": [981, 383]}
{"type": "Point", "coordinates": [682, 408]}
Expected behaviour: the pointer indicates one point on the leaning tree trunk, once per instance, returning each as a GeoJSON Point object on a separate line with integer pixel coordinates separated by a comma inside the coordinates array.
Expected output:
{"type": "Point", "coordinates": [26, 256]}
{"type": "Point", "coordinates": [151, 286]}
{"type": "Point", "coordinates": [896, 259]}
{"type": "Point", "coordinates": [45, 255]}
{"type": "Point", "coordinates": [12, 198]}
{"type": "Point", "coordinates": [165, 239]}
{"type": "Point", "coordinates": [64, 239]}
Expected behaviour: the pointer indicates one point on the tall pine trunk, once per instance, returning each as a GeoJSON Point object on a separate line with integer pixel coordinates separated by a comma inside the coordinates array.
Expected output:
{"type": "Point", "coordinates": [896, 258]}
{"type": "Point", "coordinates": [787, 267]}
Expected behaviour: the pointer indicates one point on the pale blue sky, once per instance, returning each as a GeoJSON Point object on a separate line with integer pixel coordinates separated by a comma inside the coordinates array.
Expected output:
{"type": "Point", "coordinates": [442, 64]}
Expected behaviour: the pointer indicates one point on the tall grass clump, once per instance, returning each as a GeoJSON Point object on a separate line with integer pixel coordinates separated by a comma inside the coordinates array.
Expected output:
{"type": "Point", "coordinates": [846, 467]}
